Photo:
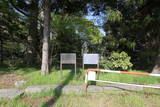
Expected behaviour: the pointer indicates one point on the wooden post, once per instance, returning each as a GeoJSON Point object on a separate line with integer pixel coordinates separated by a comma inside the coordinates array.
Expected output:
{"type": "Point", "coordinates": [75, 68]}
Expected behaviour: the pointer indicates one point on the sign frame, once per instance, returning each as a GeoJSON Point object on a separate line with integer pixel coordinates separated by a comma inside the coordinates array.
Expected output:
{"type": "Point", "coordinates": [91, 59]}
{"type": "Point", "coordinates": [68, 58]}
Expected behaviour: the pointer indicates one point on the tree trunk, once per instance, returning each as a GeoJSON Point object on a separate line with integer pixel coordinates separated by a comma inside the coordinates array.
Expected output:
{"type": "Point", "coordinates": [1, 51]}
{"type": "Point", "coordinates": [156, 68]}
{"type": "Point", "coordinates": [46, 33]}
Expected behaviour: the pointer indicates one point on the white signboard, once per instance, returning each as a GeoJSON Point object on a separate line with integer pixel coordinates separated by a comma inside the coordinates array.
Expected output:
{"type": "Point", "coordinates": [68, 58]}
{"type": "Point", "coordinates": [90, 58]}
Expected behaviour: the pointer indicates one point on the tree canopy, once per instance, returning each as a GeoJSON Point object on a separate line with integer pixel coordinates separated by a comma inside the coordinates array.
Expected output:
{"type": "Point", "coordinates": [131, 26]}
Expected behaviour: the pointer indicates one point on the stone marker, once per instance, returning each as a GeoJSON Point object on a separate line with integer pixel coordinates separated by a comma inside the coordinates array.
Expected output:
{"type": "Point", "coordinates": [20, 83]}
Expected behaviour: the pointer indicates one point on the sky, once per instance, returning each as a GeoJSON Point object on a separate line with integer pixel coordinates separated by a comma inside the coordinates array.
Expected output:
{"type": "Point", "coordinates": [98, 20]}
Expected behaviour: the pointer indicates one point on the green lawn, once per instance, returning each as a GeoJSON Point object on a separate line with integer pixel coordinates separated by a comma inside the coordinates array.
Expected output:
{"type": "Point", "coordinates": [68, 77]}
{"type": "Point", "coordinates": [145, 98]}
{"type": "Point", "coordinates": [34, 77]}
{"type": "Point", "coordinates": [52, 98]}
{"type": "Point", "coordinates": [139, 79]}
{"type": "Point", "coordinates": [55, 77]}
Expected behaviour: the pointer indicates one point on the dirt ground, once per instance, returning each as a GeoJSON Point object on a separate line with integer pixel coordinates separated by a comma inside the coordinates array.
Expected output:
{"type": "Point", "coordinates": [8, 80]}
{"type": "Point", "coordinates": [36, 102]}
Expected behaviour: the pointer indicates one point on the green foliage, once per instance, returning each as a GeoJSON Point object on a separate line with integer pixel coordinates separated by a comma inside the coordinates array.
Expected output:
{"type": "Point", "coordinates": [137, 22]}
{"type": "Point", "coordinates": [117, 61]}
{"type": "Point", "coordinates": [12, 65]}
{"type": "Point", "coordinates": [114, 15]}
{"type": "Point", "coordinates": [4, 68]}
{"type": "Point", "coordinates": [135, 2]}
{"type": "Point", "coordinates": [117, 42]}
{"type": "Point", "coordinates": [131, 26]}
{"type": "Point", "coordinates": [111, 42]}
{"type": "Point", "coordinates": [70, 32]}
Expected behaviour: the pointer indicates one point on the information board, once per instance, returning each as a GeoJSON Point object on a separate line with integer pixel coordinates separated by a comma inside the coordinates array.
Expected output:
{"type": "Point", "coordinates": [90, 58]}
{"type": "Point", "coordinates": [68, 58]}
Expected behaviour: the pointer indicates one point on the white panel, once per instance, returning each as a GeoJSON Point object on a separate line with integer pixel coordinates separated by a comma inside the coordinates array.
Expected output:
{"type": "Point", "coordinates": [91, 75]}
{"type": "Point", "coordinates": [68, 58]}
{"type": "Point", "coordinates": [90, 58]}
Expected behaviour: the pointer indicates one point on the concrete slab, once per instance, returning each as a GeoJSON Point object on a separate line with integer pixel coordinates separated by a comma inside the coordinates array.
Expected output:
{"type": "Point", "coordinates": [91, 88]}
{"type": "Point", "coordinates": [36, 89]}
{"type": "Point", "coordinates": [10, 93]}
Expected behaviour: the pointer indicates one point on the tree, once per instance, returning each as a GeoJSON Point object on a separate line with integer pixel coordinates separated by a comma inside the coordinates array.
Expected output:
{"type": "Point", "coordinates": [46, 33]}
{"type": "Point", "coordinates": [133, 26]}
{"type": "Point", "coordinates": [156, 68]}
{"type": "Point", "coordinates": [11, 30]}
{"type": "Point", "coordinates": [72, 32]}
{"type": "Point", "coordinates": [29, 10]}
{"type": "Point", "coordinates": [1, 51]}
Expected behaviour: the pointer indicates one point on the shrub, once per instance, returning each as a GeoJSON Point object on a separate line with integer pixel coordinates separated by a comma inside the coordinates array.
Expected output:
{"type": "Point", "coordinates": [117, 61]}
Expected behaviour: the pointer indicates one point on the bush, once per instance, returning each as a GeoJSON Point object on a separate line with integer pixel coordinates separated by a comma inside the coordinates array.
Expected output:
{"type": "Point", "coordinates": [14, 64]}
{"type": "Point", "coordinates": [117, 61]}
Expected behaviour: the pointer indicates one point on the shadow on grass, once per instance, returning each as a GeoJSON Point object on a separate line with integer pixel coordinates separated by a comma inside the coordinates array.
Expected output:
{"type": "Point", "coordinates": [59, 89]}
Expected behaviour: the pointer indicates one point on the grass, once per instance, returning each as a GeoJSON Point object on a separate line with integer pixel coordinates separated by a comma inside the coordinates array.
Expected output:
{"type": "Point", "coordinates": [127, 78]}
{"type": "Point", "coordinates": [146, 98]}
{"type": "Point", "coordinates": [34, 77]}
{"type": "Point", "coordinates": [55, 77]}
{"type": "Point", "coordinates": [16, 102]}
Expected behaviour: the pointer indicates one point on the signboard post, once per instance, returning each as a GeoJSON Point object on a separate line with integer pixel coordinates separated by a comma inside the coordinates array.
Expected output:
{"type": "Point", "coordinates": [68, 58]}
{"type": "Point", "coordinates": [91, 59]}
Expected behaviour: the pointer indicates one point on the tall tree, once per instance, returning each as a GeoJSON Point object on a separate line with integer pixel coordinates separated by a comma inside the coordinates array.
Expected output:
{"type": "Point", "coordinates": [11, 29]}
{"type": "Point", "coordinates": [1, 51]}
{"type": "Point", "coordinates": [46, 33]}
{"type": "Point", "coordinates": [134, 24]}
{"type": "Point", "coordinates": [29, 9]}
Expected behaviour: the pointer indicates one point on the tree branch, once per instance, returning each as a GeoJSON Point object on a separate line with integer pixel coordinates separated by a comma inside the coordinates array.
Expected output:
{"type": "Point", "coordinates": [19, 10]}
